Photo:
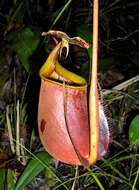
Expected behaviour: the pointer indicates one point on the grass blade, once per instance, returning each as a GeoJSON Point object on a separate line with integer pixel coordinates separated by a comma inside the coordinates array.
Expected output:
{"type": "Point", "coordinates": [61, 12]}
{"type": "Point", "coordinates": [33, 168]}
{"type": "Point", "coordinates": [2, 178]}
{"type": "Point", "coordinates": [135, 181]}
{"type": "Point", "coordinates": [96, 179]}
{"type": "Point", "coordinates": [115, 169]}
{"type": "Point", "coordinates": [10, 180]}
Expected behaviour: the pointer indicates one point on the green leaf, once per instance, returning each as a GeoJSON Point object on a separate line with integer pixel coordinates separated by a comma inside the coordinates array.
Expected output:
{"type": "Point", "coordinates": [10, 180]}
{"type": "Point", "coordinates": [2, 178]}
{"type": "Point", "coordinates": [33, 168]}
{"type": "Point", "coordinates": [134, 131]}
{"type": "Point", "coordinates": [24, 42]}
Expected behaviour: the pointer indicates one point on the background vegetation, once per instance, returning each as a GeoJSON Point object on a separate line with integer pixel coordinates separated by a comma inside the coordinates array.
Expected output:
{"type": "Point", "coordinates": [23, 162]}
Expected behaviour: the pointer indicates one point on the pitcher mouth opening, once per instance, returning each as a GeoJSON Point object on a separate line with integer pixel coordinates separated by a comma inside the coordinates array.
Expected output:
{"type": "Point", "coordinates": [67, 84]}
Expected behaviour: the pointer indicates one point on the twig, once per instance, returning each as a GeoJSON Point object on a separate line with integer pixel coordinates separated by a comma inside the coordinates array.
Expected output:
{"type": "Point", "coordinates": [10, 130]}
{"type": "Point", "coordinates": [114, 3]}
{"type": "Point", "coordinates": [24, 160]}
{"type": "Point", "coordinates": [123, 93]}
{"type": "Point", "coordinates": [125, 37]}
{"type": "Point", "coordinates": [117, 143]}
{"type": "Point", "coordinates": [123, 85]}
{"type": "Point", "coordinates": [17, 132]}
{"type": "Point", "coordinates": [75, 180]}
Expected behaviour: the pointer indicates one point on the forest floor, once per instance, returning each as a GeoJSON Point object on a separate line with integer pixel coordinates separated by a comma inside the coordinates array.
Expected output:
{"type": "Point", "coordinates": [24, 163]}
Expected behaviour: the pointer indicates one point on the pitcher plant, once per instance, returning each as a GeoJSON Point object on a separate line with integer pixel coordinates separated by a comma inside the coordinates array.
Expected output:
{"type": "Point", "coordinates": [72, 127]}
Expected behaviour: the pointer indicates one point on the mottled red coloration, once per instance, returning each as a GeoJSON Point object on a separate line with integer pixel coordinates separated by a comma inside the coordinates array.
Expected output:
{"type": "Point", "coordinates": [53, 130]}
{"type": "Point", "coordinates": [51, 120]}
